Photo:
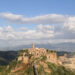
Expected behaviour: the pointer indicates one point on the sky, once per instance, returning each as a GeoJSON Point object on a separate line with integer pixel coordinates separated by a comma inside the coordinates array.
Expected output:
{"type": "Point", "coordinates": [45, 22]}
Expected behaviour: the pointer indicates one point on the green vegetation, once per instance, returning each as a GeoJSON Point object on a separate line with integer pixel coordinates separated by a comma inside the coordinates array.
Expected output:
{"type": "Point", "coordinates": [52, 66]}
{"type": "Point", "coordinates": [22, 51]}
{"type": "Point", "coordinates": [26, 53]}
{"type": "Point", "coordinates": [51, 51]}
{"type": "Point", "coordinates": [41, 70]}
{"type": "Point", "coordinates": [13, 63]}
{"type": "Point", "coordinates": [43, 58]}
{"type": "Point", "coordinates": [55, 70]}
{"type": "Point", "coordinates": [2, 68]}
{"type": "Point", "coordinates": [59, 70]}
{"type": "Point", "coordinates": [27, 69]}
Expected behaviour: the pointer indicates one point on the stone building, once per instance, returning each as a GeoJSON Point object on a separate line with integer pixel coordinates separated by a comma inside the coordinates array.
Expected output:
{"type": "Point", "coordinates": [37, 51]}
{"type": "Point", "coordinates": [52, 57]}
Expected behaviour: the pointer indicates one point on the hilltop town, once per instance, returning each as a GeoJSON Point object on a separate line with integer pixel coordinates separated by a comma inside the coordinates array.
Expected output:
{"type": "Point", "coordinates": [36, 53]}
{"type": "Point", "coordinates": [40, 61]}
{"type": "Point", "coordinates": [51, 56]}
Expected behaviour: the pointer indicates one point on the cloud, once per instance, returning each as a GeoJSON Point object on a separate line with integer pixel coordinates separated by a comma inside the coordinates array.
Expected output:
{"type": "Point", "coordinates": [43, 34]}
{"type": "Point", "coordinates": [50, 29]}
{"type": "Point", "coordinates": [44, 19]}
{"type": "Point", "coordinates": [23, 29]}
{"type": "Point", "coordinates": [10, 37]}
{"type": "Point", "coordinates": [45, 28]}
{"type": "Point", "coordinates": [9, 33]}
{"type": "Point", "coordinates": [65, 21]}
{"type": "Point", "coordinates": [8, 29]}
{"type": "Point", "coordinates": [70, 24]}
{"type": "Point", "coordinates": [1, 31]}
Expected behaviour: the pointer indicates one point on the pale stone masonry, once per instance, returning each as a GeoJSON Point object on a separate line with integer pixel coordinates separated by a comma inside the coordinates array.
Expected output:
{"type": "Point", "coordinates": [37, 52]}
{"type": "Point", "coordinates": [52, 57]}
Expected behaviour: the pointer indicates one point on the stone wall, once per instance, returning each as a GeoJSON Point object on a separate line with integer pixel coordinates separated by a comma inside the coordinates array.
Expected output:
{"type": "Point", "coordinates": [25, 59]}
{"type": "Point", "coordinates": [52, 57]}
{"type": "Point", "coordinates": [37, 51]}
{"type": "Point", "coordinates": [20, 58]}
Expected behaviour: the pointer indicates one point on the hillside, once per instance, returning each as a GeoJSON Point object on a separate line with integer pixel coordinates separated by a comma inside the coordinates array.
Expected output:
{"type": "Point", "coordinates": [33, 66]}
{"type": "Point", "coordinates": [43, 69]}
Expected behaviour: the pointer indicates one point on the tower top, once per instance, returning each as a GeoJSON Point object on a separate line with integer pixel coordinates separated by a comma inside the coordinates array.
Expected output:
{"type": "Point", "coordinates": [33, 45]}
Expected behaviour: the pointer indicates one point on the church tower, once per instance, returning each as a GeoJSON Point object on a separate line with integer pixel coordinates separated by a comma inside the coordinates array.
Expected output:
{"type": "Point", "coordinates": [33, 45]}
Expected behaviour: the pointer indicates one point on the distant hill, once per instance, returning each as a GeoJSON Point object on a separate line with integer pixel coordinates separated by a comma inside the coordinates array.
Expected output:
{"type": "Point", "coordinates": [7, 56]}
{"type": "Point", "coordinates": [69, 54]}
{"type": "Point", "coordinates": [60, 46]}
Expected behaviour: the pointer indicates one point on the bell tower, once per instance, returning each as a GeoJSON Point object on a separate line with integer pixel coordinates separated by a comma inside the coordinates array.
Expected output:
{"type": "Point", "coordinates": [33, 45]}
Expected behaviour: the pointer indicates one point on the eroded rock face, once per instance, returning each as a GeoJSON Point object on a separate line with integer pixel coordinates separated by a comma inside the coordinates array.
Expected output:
{"type": "Point", "coordinates": [45, 66]}
{"type": "Point", "coordinates": [20, 58]}
{"type": "Point", "coordinates": [52, 57]}
{"type": "Point", "coordinates": [25, 59]}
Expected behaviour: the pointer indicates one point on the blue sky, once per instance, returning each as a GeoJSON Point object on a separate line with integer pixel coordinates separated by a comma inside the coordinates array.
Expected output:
{"type": "Point", "coordinates": [38, 7]}
{"type": "Point", "coordinates": [40, 21]}
{"type": "Point", "coordinates": [30, 8]}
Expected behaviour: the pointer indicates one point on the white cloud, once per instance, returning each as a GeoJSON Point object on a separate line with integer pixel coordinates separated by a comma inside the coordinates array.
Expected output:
{"type": "Point", "coordinates": [44, 19]}
{"type": "Point", "coordinates": [8, 29]}
{"type": "Point", "coordinates": [45, 27]}
{"type": "Point", "coordinates": [9, 33]}
{"type": "Point", "coordinates": [51, 29]}
{"type": "Point", "coordinates": [43, 34]}
{"type": "Point", "coordinates": [23, 29]}
{"type": "Point", "coordinates": [58, 41]}
{"type": "Point", "coordinates": [70, 24]}
{"type": "Point", "coordinates": [1, 31]}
